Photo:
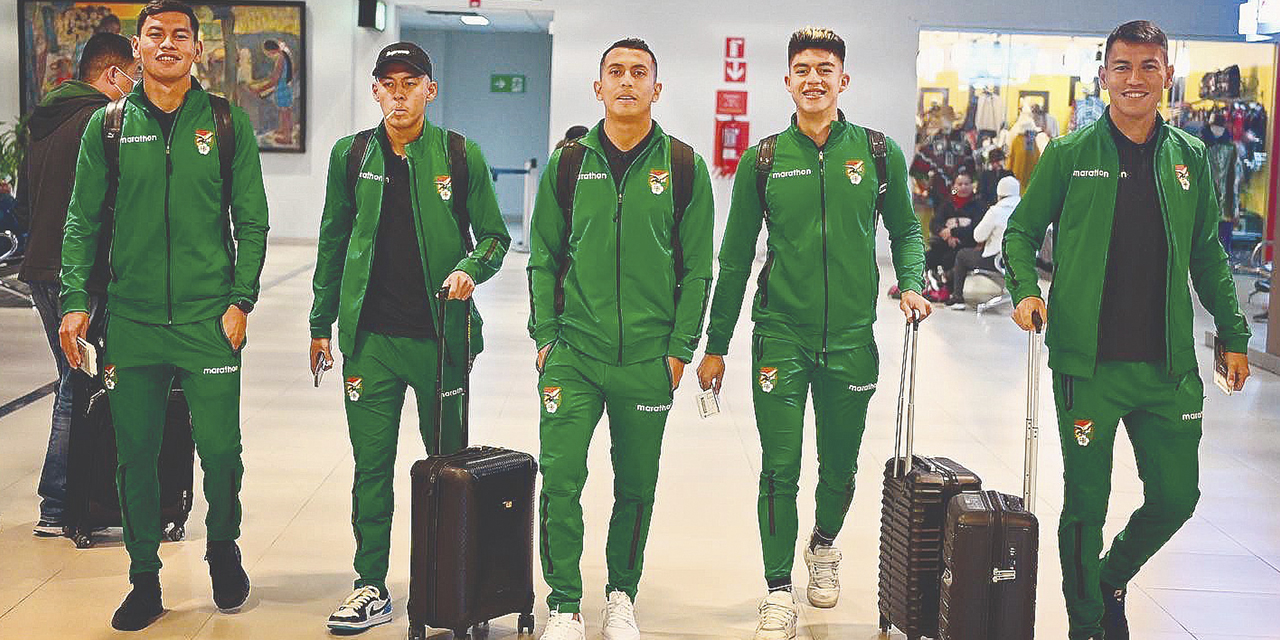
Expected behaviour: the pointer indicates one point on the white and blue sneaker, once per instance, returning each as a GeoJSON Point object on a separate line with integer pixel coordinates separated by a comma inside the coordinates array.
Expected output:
{"type": "Point", "coordinates": [366, 607]}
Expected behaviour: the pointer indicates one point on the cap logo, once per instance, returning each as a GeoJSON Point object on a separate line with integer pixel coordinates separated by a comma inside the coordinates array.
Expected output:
{"type": "Point", "coordinates": [397, 52]}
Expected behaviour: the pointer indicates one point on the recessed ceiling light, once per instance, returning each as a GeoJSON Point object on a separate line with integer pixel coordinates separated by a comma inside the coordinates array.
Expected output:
{"type": "Point", "coordinates": [474, 19]}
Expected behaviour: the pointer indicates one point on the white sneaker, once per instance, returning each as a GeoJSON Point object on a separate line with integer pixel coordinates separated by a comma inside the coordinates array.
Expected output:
{"type": "Point", "coordinates": [824, 576]}
{"type": "Point", "coordinates": [620, 618]}
{"type": "Point", "coordinates": [563, 626]}
{"type": "Point", "coordinates": [777, 617]}
{"type": "Point", "coordinates": [366, 607]}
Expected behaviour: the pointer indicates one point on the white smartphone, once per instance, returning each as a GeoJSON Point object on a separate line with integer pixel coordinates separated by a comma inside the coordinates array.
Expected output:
{"type": "Point", "coordinates": [88, 356]}
{"type": "Point", "coordinates": [708, 403]}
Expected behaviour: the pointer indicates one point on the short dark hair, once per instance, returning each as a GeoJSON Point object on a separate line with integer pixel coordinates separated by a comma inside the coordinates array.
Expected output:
{"type": "Point", "coordinates": [101, 52]}
{"type": "Point", "coordinates": [815, 38]}
{"type": "Point", "coordinates": [631, 43]}
{"type": "Point", "coordinates": [1137, 32]}
{"type": "Point", "coordinates": [271, 45]}
{"type": "Point", "coordinates": [166, 6]}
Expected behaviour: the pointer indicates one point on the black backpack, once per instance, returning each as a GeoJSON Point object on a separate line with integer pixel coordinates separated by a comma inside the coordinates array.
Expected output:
{"type": "Point", "coordinates": [879, 155]}
{"type": "Point", "coordinates": [459, 177]}
{"type": "Point", "coordinates": [571, 156]}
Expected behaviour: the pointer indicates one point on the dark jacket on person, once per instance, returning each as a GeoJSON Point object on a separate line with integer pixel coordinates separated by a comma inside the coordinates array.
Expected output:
{"type": "Point", "coordinates": [973, 210]}
{"type": "Point", "coordinates": [47, 174]}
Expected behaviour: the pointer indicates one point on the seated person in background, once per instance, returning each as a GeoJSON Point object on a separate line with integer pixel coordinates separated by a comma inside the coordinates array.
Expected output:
{"type": "Point", "coordinates": [988, 234]}
{"type": "Point", "coordinates": [952, 228]}
{"type": "Point", "coordinates": [990, 177]}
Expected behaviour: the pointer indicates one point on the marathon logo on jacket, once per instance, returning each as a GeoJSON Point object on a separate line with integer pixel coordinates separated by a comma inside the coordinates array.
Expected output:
{"type": "Point", "coordinates": [855, 169]}
{"type": "Point", "coordinates": [594, 175]}
{"type": "Point", "coordinates": [220, 370]}
{"type": "Point", "coordinates": [1083, 432]}
{"type": "Point", "coordinates": [365, 175]}
{"type": "Point", "coordinates": [661, 408]}
{"type": "Point", "coordinates": [792, 173]}
{"type": "Point", "coordinates": [204, 141]}
{"type": "Point", "coordinates": [151, 137]}
{"type": "Point", "coordinates": [1184, 176]}
{"type": "Point", "coordinates": [1188, 417]}
{"type": "Point", "coordinates": [109, 377]}
{"type": "Point", "coordinates": [444, 186]}
{"type": "Point", "coordinates": [658, 181]}
{"type": "Point", "coordinates": [1091, 173]}
{"type": "Point", "coordinates": [768, 378]}
{"type": "Point", "coordinates": [862, 387]}
{"type": "Point", "coordinates": [354, 387]}
{"type": "Point", "coordinates": [551, 399]}
{"type": "Point", "coordinates": [451, 393]}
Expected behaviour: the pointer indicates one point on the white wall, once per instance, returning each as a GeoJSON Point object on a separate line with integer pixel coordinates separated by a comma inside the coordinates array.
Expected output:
{"type": "Point", "coordinates": [688, 38]}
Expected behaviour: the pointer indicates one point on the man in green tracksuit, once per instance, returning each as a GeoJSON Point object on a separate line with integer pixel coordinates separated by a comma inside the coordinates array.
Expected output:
{"type": "Point", "coordinates": [384, 250]}
{"type": "Point", "coordinates": [814, 309]}
{"type": "Point", "coordinates": [619, 281]}
{"type": "Point", "coordinates": [1132, 204]}
{"type": "Point", "coordinates": [184, 272]}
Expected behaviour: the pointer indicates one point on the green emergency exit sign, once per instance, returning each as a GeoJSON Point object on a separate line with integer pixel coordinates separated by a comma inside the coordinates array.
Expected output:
{"type": "Point", "coordinates": [506, 83]}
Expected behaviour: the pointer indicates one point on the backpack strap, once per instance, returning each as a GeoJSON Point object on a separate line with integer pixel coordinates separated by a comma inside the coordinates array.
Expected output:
{"type": "Point", "coordinates": [460, 182]}
{"type": "Point", "coordinates": [112, 124]}
{"type": "Point", "coordinates": [880, 156]}
{"type": "Point", "coordinates": [764, 166]}
{"type": "Point", "coordinates": [570, 165]}
{"type": "Point", "coordinates": [226, 136]}
{"type": "Point", "coordinates": [682, 185]}
{"type": "Point", "coordinates": [355, 158]}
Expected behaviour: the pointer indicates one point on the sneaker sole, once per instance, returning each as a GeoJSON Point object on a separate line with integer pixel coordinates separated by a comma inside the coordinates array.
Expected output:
{"type": "Point", "coordinates": [236, 608]}
{"type": "Point", "coordinates": [822, 605]}
{"type": "Point", "coordinates": [621, 636]}
{"type": "Point", "coordinates": [345, 629]}
{"type": "Point", "coordinates": [40, 533]}
{"type": "Point", "coordinates": [150, 621]}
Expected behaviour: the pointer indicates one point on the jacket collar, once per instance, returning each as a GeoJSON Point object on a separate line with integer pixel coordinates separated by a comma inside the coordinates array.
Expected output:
{"type": "Point", "coordinates": [416, 148]}
{"type": "Point", "coordinates": [592, 139]}
{"type": "Point", "coordinates": [839, 127]}
{"type": "Point", "coordinates": [138, 95]}
{"type": "Point", "coordinates": [1105, 126]}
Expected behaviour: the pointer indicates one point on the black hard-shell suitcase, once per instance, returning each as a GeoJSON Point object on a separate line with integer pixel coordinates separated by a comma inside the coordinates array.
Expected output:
{"type": "Point", "coordinates": [471, 556]}
{"type": "Point", "coordinates": [992, 545]}
{"type": "Point", "coordinates": [913, 512]}
{"type": "Point", "coordinates": [92, 499]}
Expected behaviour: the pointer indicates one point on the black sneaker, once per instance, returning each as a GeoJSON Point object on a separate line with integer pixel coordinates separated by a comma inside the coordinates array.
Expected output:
{"type": "Point", "coordinates": [230, 582]}
{"type": "Point", "coordinates": [1115, 626]}
{"type": "Point", "coordinates": [48, 529]}
{"type": "Point", "coordinates": [367, 606]}
{"type": "Point", "coordinates": [142, 606]}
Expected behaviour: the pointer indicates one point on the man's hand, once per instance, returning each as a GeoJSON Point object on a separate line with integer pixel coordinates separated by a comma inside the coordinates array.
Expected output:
{"type": "Point", "coordinates": [74, 325]}
{"type": "Point", "coordinates": [1028, 306]}
{"type": "Point", "coordinates": [460, 285]}
{"type": "Point", "coordinates": [1237, 370]}
{"type": "Point", "coordinates": [542, 356]}
{"type": "Point", "coordinates": [914, 302]}
{"type": "Point", "coordinates": [318, 346]}
{"type": "Point", "coordinates": [233, 325]}
{"type": "Point", "coordinates": [711, 372]}
{"type": "Point", "coordinates": [945, 234]}
{"type": "Point", "coordinates": [677, 370]}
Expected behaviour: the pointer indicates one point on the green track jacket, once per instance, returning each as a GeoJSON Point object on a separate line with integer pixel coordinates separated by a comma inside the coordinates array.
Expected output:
{"type": "Point", "coordinates": [819, 283]}
{"type": "Point", "coordinates": [623, 300]}
{"type": "Point", "coordinates": [1074, 188]}
{"type": "Point", "coordinates": [348, 231]}
{"type": "Point", "coordinates": [176, 256]}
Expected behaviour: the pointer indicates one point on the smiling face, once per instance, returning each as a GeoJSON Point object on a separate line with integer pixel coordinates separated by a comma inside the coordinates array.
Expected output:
{"type": "Point", "coordinates": [167, 47]}
{"type": "Point", "coordinates": [628, 85]}
{"type": "Point", "coordinates": [963, 185]}
{"type": "Point", "coordinates": [1134, 76]}
{"type": "Point", "coordinates": [815, 80]}
{"type": "Point", "coordinates": [403, 95]}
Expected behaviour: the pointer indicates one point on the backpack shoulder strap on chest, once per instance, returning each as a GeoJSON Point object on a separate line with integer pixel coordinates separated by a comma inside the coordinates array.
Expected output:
{"type": "Point", "coordinates": [880, 156]}
{"type": "Point", "coordinates": [226, 136]}
{"type": "Point", "coordinates": [460, 184]}
{"type": "Point", "coordinates": [682, 193]}
{"type": "Point", "coordinates": [764, 166]}
{"type": "Point", "coordinates": [567, 169]}
{"type": "Point", "coordinates": [112, 124]}
{"type": "Point", "coordinates": [355, 157]}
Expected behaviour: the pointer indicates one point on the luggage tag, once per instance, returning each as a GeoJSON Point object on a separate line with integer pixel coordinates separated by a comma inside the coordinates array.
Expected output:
{"type": "Point", "coordinates": [88, 357]}
{"type": "Point", "coordinates": [708, 403]}
{"type": "Point", "coordinates": [1220, 366]}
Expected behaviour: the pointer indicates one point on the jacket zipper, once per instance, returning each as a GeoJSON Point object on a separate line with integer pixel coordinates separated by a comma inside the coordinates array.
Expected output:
{"type": "Point", "coordinates": [617, 219]}
{"type": "Point", "coordinates": [168, 227]}
{"type": "Point", "coordinates": [1168, 258]}
{"type": "Point", "coordinates": [826, 282]}
{"type": "Point", "coordinates": [417, 227]}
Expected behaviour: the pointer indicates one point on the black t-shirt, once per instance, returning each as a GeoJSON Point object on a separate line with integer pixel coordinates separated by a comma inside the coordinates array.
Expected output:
{"type": "Point", "coordinates": [165, 118]}
{"type": "Point", "coordinates": [396, 302]}
{"type": "Point", "coordinates": [620, 160]}
{"type": "Point", "coordinates": [1131, 325]}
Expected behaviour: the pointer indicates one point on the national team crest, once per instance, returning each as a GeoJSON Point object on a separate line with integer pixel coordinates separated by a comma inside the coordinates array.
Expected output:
{"type": "Point", "coordinates": [768, 378]}
{"type": "Point", "coordinates": [204, 141]}
{"type": "Point", "coordinates": [855, 169]}
{"type": "Point", "coordinates": [658, 181]}
{"type": "Point", "coordinates": [109, 377]}
{"type": "Point", "coordinates": [1184, 176]}
{"type": "Point", "coordinates": [1084, 432]}
{"type": "Point", "coordinates": [444, 186]}
{"type": "Point", "coordinates": [354, 387]}
{"type": "Point", "coordinates": [551, 398]}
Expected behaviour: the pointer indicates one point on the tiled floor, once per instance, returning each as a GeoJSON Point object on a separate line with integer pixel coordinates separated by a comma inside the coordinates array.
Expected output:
{"type": "Point", "coordinates": [1219, 578]}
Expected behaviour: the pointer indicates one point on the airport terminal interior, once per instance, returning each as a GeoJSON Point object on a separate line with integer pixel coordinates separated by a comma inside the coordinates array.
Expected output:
{"type": "Point", "coordinates": [957, 93]}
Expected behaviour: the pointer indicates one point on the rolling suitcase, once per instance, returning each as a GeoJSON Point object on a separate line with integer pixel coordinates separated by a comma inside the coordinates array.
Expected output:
{"type": "Point", "coordinates": [471, 556]}
{"type": "Point", "coordinates": [992, 544]}
{"type": "Point", "coordinates": [913, 512]}
{"type": "Point", "coordinates": [92, 499]}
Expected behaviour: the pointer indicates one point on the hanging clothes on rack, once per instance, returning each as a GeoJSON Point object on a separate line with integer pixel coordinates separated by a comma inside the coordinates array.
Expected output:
{"type": "Point", "coordinates": [1089, 110]}
{"type": "Point", "coordinates": [990, 112]}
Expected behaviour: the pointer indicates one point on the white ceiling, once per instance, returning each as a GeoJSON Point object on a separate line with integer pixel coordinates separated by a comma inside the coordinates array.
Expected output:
{"type": "Point", "coordinates": [508, 20]}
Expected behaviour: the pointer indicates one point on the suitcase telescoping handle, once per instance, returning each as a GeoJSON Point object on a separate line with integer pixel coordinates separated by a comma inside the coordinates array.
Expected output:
{"type": "Point", "coordinates": [442, 297]}
{"type": "Point", "coordinates": [1031, 457]}
{"type": "Point", "coordinates": [906, 398]}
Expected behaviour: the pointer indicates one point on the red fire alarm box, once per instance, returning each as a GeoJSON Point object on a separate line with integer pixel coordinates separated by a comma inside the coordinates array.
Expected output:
{"type": "Point", "coordinates": [732, 139]}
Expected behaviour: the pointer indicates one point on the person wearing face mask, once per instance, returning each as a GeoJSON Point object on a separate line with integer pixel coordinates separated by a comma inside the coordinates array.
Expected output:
{"type": "Point", "coordinates": [394, 230]}
{"type": "Point", "coordinates": [185, 263]}
{"type": "Point", "coordinates": [814, 309]}
{"type": "Point", "coordinates": [55, 129]}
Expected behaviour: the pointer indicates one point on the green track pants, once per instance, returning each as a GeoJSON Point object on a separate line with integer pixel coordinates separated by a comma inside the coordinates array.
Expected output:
{"type": "Point", "coordinates": [575, 391]}
{"type": "Point", "coordinates": [842, 384]}
{"type": "Point", "coordinates": [375, 376]}
{"type": "Point", "coordinates": [141, 363]}
{"type": "Point", "coordinates": [1163, 418]}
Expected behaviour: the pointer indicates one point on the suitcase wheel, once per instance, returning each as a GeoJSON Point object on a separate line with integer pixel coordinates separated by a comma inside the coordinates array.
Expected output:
{"type": "Point", "coordinates": [176, 533]}
{"type": "Point", "coordinates": [884, 624]}
{"type": "Point", "coordinates": [82, 540]}
{"type": "Point", "coordinates": [417, 632]}
{"type": "Point", "coordinates": [526, 624]}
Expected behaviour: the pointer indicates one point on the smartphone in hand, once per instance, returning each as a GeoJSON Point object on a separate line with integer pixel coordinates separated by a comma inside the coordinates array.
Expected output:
{"type": "Point", "coordinates": [88, 357]}
{"type": "Point", "coordinates": [319, 366]}
{"type": "Point", "coordinates": [1220, 366]}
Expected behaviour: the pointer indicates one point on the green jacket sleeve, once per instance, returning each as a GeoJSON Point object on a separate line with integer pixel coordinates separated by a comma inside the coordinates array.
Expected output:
{"type": "Point", "coordinates": [492, 238]}
{"type": "Point", "coordinates": [248, 211]}
{"type": "Point", "coordinates": [335, 233]}
{"type": "Point", "coordinates": [547, 250]}
{"type": "Point", "coordinates": [1041, 206]}
{"type": "Point", "coordinates": [1210, 272]}
{"type": "Point", "coordinates": [84, 218]}
{"type": "Point", "coordinates": [737, 253]}
{"type": "Point", "coordinates": [906, 242]}
{"type": "Point", "coordinates": [695, 280]}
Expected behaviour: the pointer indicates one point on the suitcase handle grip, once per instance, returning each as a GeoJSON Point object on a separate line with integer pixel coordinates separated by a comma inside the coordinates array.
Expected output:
{"type": "Point", "coordinates": [1031, 454]}
{"type": "Point", "coordinates": [442, 297]}
{"type": "Point", "coordinates": [907, 396]}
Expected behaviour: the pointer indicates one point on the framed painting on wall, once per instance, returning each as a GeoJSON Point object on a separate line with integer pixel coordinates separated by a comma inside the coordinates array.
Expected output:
{"type": "Point", "coordinates": [254, 54]}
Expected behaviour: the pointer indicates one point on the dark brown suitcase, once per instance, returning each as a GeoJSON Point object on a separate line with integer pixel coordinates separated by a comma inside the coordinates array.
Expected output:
{"type": "Point", "coordinates": [913, 513]}
{"type": "Point", "coordinates": [471, 554]}
{"type": "Point", "coordinates": [992, 545]}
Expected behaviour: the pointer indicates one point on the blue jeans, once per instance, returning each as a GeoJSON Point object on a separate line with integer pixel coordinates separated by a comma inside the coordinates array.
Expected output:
{"type": "Point", "coordinates": [53, 477]}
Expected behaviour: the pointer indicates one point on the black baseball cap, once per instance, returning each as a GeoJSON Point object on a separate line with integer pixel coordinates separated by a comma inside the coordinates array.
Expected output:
{"type": "Point", "coordinates": [406, 53]}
